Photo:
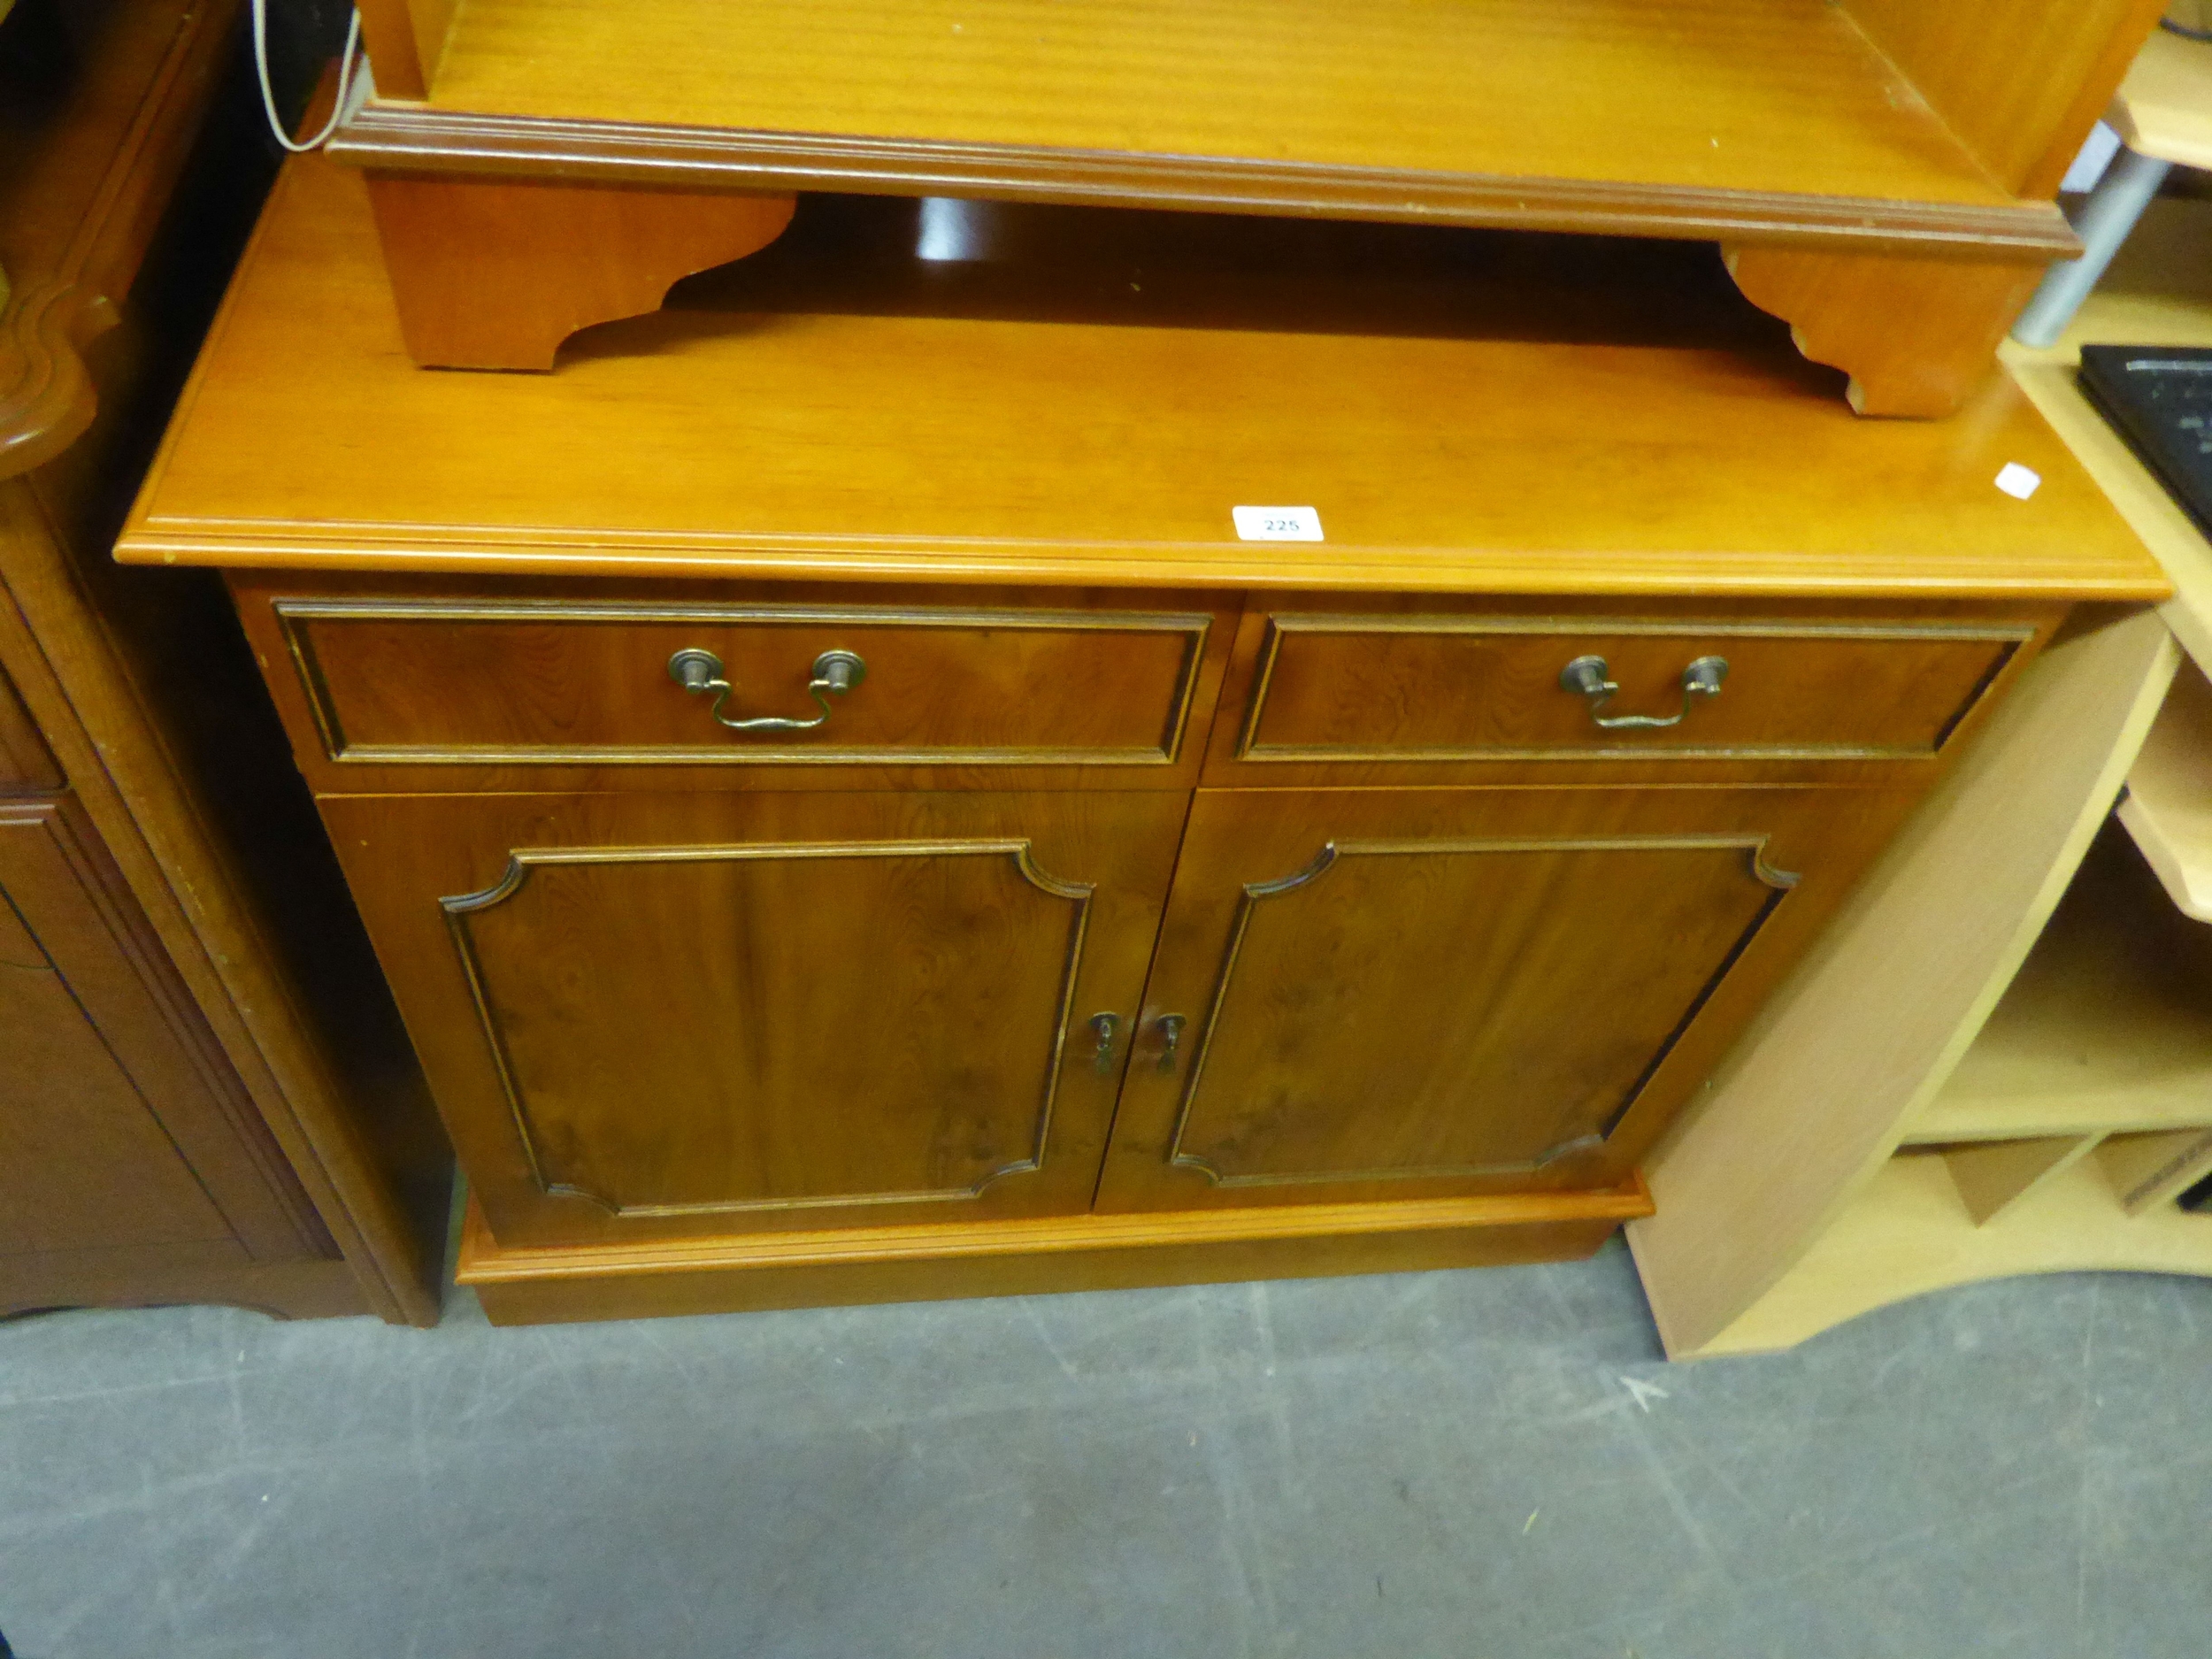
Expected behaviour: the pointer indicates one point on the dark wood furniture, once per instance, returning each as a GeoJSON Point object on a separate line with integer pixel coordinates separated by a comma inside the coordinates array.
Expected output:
{"type": "Point", "coordinates": [1108, 900]}
{"type": "Point", "coordinates": [172, 1119]}
{"type": "Point", "coordinates": [1881, 172]}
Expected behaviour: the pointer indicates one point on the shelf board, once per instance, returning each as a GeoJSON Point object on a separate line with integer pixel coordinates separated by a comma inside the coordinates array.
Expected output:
{"type": "Point", "coordinates": [2152, 1170]}
{"type": "Point", "coordinates": [1749, 119]}
{"type": "Point", "coordinates": [2164, 107]}
{"type": "Point", "coordinates": [2157, 292]}
{"type": "Point", "coordinates": [2169, 805]}
{"type": "Point", "coordinates": [1909, 1232]}
{"type": "Point", "coordinates": [1449, 438]}
{"type": "Point", "coordinates": [2106, 1029]}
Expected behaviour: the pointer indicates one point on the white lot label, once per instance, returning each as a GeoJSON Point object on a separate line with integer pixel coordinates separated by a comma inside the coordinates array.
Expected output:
{"type": "Point", "coordinates": [1277, 524]}
{"type": "Point", "coordinates": [2018, 481]}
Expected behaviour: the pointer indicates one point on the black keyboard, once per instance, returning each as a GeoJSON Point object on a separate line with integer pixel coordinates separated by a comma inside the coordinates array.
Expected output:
{"type": "Point", "coordinates": [2159, 398]}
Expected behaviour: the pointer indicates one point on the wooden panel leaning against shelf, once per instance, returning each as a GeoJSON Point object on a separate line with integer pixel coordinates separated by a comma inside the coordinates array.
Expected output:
{"type": "Point", "coordinates": [177, 1125]}
{"type": "Point", "coordinates": [1773, 1196]}
{"type": "Point", "coordinates": [1880, 174]}
{"type": "Point", "coordinates": [2067, 1121]}
{"type": "Point", "coordinates": [2168, 807]}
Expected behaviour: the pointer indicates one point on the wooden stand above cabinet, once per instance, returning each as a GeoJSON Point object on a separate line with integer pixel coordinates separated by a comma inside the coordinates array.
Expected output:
{"type": "Point", "coordinates": [845, 818]}
{"type": "Point", "coordinates": [1880, 174]}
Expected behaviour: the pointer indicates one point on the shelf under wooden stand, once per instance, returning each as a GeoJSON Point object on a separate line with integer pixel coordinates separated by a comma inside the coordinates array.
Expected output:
{"type": "Point", "coordinates": [1881, 174]}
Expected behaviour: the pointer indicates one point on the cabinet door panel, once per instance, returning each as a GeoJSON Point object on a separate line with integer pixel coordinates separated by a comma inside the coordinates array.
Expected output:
{"type": "Point", "coordinates": [667, 1014]}
{"type": "Point", "coordinates": [25, 762]}
{"type": "Point", "coordinates": [1408, 994]}
{"type": "Point", "coordinates": [86, 1164]}
{"type": "Point", "coordinates": [120, 1126]}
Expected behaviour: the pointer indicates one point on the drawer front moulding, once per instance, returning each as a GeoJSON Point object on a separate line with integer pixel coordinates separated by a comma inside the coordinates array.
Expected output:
{"type": "Point", "coordinates": [1252, 748]}
{"type": "Point", "coordinates": [293, 615]}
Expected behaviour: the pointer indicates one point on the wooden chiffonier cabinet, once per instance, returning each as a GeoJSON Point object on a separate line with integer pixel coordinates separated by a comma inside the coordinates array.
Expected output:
{"type": "Point", "coordinates": [829, 847]}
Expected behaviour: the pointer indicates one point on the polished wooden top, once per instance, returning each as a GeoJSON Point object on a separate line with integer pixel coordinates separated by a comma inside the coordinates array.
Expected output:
{"type": "Point", "coordinates": [1716, 95]}
{"type": "Point", "coordinates": [1635, 431]}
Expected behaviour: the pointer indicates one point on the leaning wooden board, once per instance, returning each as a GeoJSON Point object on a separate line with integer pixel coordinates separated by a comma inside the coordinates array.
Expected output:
{"type": "Point", "coordinates": [1155, 904]}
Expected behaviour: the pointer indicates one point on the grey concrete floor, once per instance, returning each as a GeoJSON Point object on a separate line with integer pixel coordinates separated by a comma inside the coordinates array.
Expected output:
{"type": "Point", "coordinates": [1447, 1464]}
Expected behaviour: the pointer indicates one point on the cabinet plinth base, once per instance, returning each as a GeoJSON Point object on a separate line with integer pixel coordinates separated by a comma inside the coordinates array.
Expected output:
{"type": "Point", "coordinates": [544, 1286]}
{"type": "Point", "coordinates": [173, 1276]}
{"type": "Point", "coordinates": [494, 274]}
{"type": "Point", "coordinates": [1915, 334]}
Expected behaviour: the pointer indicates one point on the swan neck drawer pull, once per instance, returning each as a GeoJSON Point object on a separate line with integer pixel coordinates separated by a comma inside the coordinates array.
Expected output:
{"type": "Point", "coordinates": [1586, 678]}
{"type": "Point", "coordinates": [700, 672]}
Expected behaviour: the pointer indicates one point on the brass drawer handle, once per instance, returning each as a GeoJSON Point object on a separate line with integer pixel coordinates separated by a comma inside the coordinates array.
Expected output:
{"type": "Point", "coordinates": [1585, 676]}
{"type": "Point", "coordinates": [698, 670]}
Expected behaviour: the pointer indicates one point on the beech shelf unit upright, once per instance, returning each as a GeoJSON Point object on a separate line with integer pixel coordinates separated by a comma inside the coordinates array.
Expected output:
{"type": "Point", "coordinates": [1880, 173]}
{"type": "Point", "coordinates": [2042, 990]}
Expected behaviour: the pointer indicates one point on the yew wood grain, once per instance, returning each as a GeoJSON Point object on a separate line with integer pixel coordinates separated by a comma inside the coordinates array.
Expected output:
{"type": "Point", "coordinates": [1423, 691]}
{"type": "Point", "coordinates": [876, 1264]}
{"type": "Point", "coordinates": [1399, 994]}
{"type": "Point", "coordinates": [414, 683]}
{"type": "Point", "coordinates": [1535, 1038]}
{"type": "Point", "coordinates": [731, 1013]}
{"type": "Point", "coordinates": [1461, 689]}
{"type": "Point", "coordinates": [503, 681]}
{"type": "Point", "coordinates": [1917, 336]}
{"type": "Point", "coordinates": [832, 1026]}
{"type": "Point", "coordinates": [404, 40]}
{"type": "Point", "coordinates": [495, 273]}
{"type": "Point", "coordinates": [1927, 138]}
{"type": "Point", "coordinates": [1778, 96]}
{"type": "Point", "coordinates": [950, 450]}
{"type": "Point", "coordinates": [2019, 82]}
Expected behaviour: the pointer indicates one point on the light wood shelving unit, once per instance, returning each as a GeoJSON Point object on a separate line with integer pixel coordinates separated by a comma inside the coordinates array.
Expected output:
{"type": "Point", "coordinates": [2169, 805]}
{"type": "Point", "coordinates": [2000, 1061]}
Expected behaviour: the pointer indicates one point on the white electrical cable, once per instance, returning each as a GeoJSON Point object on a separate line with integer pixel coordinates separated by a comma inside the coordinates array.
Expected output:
{"type": "Point", "coordinates": [268, 97]}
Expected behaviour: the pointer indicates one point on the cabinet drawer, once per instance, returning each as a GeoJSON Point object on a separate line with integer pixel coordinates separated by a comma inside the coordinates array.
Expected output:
{"type": "Point", "coordinates": [553, 682]}
{"type": "Point", "coordinates": [1428, 689]}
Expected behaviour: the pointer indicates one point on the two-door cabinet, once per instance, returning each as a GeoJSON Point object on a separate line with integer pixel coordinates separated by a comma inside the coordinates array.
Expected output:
{"type": "Point", "coordinates": [845, 817]}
